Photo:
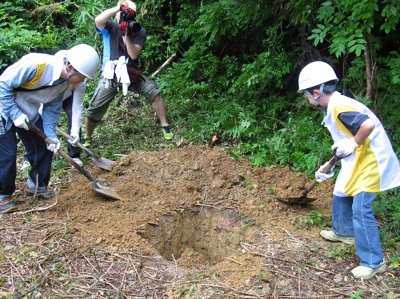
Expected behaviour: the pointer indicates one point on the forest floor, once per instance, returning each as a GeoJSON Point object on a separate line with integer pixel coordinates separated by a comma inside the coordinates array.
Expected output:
{"type": "Point", "coordinates": [192, 222]}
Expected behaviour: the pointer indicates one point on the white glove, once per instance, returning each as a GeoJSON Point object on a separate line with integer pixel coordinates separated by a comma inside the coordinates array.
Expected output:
{"type": "Point", "coordinates": [21, 121]}
{"type": "Point", "coordinates": [344, 147]}
{"type": "Point", "coordinates": [74, 138]}
{"type": "Point", "coordinates": [108, 73]}
{"type": "Point", "coordinates": [54, 147]}
{"type": "Point", "coordinates": [321, 176]}
{"type": "Point", "coordinates": [121, 72]}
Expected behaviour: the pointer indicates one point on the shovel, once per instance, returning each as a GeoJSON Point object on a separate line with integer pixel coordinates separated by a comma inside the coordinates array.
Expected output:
{"type": "Point", "coordinates": [303, 199]}
{"type": "Point", "coordinates": [99, 187]}
{"type": "Point", "coordinates": [100, 162]}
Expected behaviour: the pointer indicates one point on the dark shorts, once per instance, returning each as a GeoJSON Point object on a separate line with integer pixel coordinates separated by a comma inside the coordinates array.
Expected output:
{"type": "Point", "coordinates": [103, 96]}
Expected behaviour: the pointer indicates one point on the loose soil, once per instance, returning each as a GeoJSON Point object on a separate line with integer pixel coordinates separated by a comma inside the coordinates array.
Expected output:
{"type": "Point", "coordinates": [192, 222]}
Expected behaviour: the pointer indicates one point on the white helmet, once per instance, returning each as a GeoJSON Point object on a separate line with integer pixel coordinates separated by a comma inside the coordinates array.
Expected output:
{"type": "Point", "coordinates": [84, 59]}
{"type": "Point", "coordinates": [314, 74]}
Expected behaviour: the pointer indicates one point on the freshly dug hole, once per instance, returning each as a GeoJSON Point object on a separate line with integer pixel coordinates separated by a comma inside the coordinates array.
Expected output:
{"type": "Point", "coordinates": [205, 235]}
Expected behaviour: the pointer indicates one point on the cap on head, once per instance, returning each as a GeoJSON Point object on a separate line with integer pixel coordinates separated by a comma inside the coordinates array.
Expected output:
{"type": "Point", "coordinates": [84, 59]}
{"type": "Point", "coordinates": [130, 4]}
{"type": "Point", "coordinates": [314, 74]}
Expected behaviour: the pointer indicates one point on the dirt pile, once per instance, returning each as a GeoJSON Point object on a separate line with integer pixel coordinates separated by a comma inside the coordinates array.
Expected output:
{"type": "Point", "coordinates": [153, 184]}
{"type": "Point", "coordinates": [192, 223]}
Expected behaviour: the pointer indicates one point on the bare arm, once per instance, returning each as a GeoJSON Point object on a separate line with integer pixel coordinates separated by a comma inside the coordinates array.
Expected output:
{"type": "Point", "coordinates": [103, 17]}
{"type": "Point", "coordinates": [364, 131]}
{"type": "Point", "coordinates": [134, 50]}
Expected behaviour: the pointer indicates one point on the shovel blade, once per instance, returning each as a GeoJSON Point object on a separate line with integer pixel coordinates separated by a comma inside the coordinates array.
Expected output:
{"type": "Point", "coordinates": [302, 200]}
{"type": "Point", "coordinates": [103, 163]}
{"type": "Point", "coordinates": [105, 189]}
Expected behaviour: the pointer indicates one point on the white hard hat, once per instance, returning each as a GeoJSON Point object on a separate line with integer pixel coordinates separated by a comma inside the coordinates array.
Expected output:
{"type": "Point", "coordinates": [84, 59]}
{"type": "Point", "coordinates": [314, 74]}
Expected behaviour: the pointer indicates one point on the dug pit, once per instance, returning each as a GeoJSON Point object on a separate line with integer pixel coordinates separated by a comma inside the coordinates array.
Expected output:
{"type": "Point", "coordinates": [199, 235]}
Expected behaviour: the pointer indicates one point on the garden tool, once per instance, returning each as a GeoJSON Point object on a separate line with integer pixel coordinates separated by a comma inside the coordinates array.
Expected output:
{"type": "Point", "coordinates": [97, 186]}
{"type": "Point", "coordinates": [303, 199]}
{"type": "Point", "coordinates": [97, 161]}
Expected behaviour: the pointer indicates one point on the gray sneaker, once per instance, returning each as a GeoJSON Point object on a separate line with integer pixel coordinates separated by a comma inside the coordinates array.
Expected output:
{"type": "Point", "coordinates": [331, 236]}
{"type": "Point", "coordinates": [363, 272]}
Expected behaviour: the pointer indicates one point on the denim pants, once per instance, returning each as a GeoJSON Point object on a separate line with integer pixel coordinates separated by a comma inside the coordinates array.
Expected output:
{"type": "Point", "coordinates": [73, 151]}
{"type": "Point", "coordinates": [36, 153]}
{"type": "Point", "coordinates": [353, 216]}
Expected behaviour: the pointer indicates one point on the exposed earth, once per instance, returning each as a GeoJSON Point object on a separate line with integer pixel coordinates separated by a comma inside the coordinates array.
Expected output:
{"type": "Point", "coordinates": [192, 222]}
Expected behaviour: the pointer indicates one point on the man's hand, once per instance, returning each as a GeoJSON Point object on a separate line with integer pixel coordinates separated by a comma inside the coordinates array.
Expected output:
{"type": "Point", "coordinates": [21, 121]}
{"type": "Point", "coordinates": [54, 147]}
{"type": "Point", "coordinates": [345, 147]}
{"type": "Point", "coordinates": [74, 138]}
{"type": "Point", "coordinates": [320, 176]}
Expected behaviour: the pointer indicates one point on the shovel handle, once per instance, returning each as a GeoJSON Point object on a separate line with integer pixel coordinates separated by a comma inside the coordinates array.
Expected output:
{"type": "Point", "coordinates": [32, 127]}
{"type": "Point", "coordinates": [78, 144]}
{"type": "Point", "coordinates": [332, 162]}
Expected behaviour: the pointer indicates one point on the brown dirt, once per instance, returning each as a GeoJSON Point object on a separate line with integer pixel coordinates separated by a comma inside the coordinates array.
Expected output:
{"type": "Point", "coordinates": [195, 223]}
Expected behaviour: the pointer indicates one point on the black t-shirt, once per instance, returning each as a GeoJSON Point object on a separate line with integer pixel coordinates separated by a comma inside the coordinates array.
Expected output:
{"type": "Point", "coordinates": [113, 43]}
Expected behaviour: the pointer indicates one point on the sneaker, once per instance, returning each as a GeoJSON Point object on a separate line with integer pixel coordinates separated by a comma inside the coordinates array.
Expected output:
{"type": "Point", "coordinates": [331, 236]}
{"type": "Point", "coordinates": [167, 133]}
{"type": "Point", "coordinates": [78, 161]}
{"type": "Point", "coordinates": [6, 205]}
{"type": "Point", "coordinates": [40, 195]}
{"type": "Point", "coordinates": [88, 142]}
{"type": "Point", "coordinates": [366, 272]}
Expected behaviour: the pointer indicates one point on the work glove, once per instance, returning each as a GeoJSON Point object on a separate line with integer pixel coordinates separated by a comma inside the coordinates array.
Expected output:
{"type": "Point", "coordinates": [54, 147]}
{"type": "Point", "coordinates": [74, 138]}
{"type": "Point", "coordinates": [344, 147]}
{"type": "Point", "coordinates": [21, 121]}
{"type": "Point", "coordinates": [320, 176]}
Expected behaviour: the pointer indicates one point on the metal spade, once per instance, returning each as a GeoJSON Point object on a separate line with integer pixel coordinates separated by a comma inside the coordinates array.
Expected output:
{"type": "Point", "coordinates": [100, 162]}
{"type": "Point", "coordinates": [303, 199]}
{"type": "Point", "coordinates": [97, 186]}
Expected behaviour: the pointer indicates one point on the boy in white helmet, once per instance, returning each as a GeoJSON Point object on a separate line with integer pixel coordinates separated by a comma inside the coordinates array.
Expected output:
{"type": "Point", "coordinates": [35, 81]}
{"type": "Point", "coordinates": [368, 165]}
{"type": "Point", "coordinates": [123, 37]}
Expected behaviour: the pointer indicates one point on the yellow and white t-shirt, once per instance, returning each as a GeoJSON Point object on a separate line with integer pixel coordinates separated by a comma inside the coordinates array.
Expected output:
{"type": "Point", "coordinates": [374, 166]}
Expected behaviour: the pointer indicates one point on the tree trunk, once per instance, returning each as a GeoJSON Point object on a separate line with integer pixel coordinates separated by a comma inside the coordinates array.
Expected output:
{"type": "Point", "coordinates": [368, 67]}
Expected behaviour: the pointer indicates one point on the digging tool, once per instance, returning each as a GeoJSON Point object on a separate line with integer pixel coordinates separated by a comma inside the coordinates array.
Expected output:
{"type": "Point", "coordinates": [100, 162]}
{"type": "Point", "coordinates": [99, 187]}
{"type": "Point", "coordinates": [303, 199]}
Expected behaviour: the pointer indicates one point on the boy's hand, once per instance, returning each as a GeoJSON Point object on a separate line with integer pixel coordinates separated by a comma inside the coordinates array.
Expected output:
{"type": "Point", "coordinates": [344, 147]}
{"type": "Point", "coordinates": [321, 176]}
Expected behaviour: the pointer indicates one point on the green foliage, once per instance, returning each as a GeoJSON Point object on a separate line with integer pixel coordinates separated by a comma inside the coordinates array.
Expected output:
{"type": "Point", "coordinates": [314, 219]}
{"type": "Point", "coordinates": [357, 295]}
{"type": "Point", "coordinates": [387, 209]}
{"type": "Point", "coordinates": [340, 252]}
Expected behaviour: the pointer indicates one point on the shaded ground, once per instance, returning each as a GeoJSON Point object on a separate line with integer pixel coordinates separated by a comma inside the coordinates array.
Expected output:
{"type": "Point", "coordinates": [192, 223]}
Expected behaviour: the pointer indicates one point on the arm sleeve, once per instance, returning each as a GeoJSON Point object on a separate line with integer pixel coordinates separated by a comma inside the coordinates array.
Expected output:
{"type": "Point", "coordinates": [139, 38]}
{"type": "Point", "coordinates": [51, 115]}
{"type": "Point", "coordinates": [352, 120]}
{"type": "Point", "coordinates": [77, 107]}
{"type": "Point", "coordinates": [13, 77]}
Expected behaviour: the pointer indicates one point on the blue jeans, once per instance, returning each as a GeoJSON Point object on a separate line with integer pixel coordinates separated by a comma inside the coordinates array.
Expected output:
{"type": "Point", "coordinates": [353, 216]}
{"type": "Point", "coordinates": [36, 153]}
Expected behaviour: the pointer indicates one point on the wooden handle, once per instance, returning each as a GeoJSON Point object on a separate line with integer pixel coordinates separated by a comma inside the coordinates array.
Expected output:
{"type": "Point", "coordinates": [78, 144]}
{"type": "Point", "coordinates": [32, 127]}
{"type": "Point", "coordinates": [326, 169]}
{"type": "Point", "coordinates": [330, 164]}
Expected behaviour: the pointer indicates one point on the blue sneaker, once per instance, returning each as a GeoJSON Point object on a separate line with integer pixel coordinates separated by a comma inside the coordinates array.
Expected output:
{"type": "Point", "coordinates": [38, 192]}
